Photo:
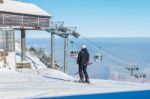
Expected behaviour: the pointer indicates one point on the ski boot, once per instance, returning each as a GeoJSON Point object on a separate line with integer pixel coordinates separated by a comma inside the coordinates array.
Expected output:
{"type": "Point", "coordinates": [81, 80]}
{"type": "Point", "coordinates": [87, 81]}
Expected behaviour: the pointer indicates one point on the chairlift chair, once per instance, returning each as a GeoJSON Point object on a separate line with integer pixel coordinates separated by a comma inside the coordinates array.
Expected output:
{"type": "Point", "coordinates": [74, 54]}
{"type": "Point", "coordinates": [97, 58]}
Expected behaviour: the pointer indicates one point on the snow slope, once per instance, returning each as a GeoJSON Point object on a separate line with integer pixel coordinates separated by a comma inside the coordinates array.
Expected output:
{"type": "Point", "coordinates": [49, 82]}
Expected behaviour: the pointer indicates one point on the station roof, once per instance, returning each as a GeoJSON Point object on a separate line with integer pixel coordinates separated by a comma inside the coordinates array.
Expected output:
{"type": "Point", "coordinates": [12, 6]}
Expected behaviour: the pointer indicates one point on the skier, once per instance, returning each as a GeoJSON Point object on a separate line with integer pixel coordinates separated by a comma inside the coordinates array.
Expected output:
{"type": "Point", "coordinates": [83, 61]}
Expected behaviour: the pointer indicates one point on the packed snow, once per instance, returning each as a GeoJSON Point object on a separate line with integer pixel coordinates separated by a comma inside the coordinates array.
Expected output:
{"type": "Point", "coordinates": [48, 82]}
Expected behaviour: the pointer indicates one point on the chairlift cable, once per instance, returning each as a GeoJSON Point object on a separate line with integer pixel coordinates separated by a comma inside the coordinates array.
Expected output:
{"type": "Point", "coordinates": [80, 45]}
{"type": "Point", "coordinates": [96, 46]}
{"type": "Point", "coordinates": [99, 47]}
{"type": "Point", "coordinates": [124, 65]}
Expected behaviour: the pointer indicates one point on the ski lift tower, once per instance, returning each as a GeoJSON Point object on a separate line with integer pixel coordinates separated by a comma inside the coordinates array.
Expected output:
{"type": "Point", "coordinates": [58, 29]}
{"type": "Point", "coordinates": [22, 16]}
{"type": "Point", "coordinates": [66, 32]}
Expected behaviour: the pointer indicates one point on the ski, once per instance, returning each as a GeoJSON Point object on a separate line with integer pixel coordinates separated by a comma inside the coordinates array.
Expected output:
{"type": "Point", "coordinates": [76, 81]}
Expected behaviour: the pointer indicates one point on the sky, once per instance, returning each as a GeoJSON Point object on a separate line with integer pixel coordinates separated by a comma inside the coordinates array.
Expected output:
{"type": "Point", "coordinates": [99, 18]}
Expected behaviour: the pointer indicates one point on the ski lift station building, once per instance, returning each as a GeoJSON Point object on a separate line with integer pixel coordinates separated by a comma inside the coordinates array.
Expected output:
{"type": "Point", "coordinates": [16, 15]}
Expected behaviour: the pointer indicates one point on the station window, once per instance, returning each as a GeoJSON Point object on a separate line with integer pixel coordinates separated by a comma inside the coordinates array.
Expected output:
{"type": "Point", "coordinates": [7, 40]}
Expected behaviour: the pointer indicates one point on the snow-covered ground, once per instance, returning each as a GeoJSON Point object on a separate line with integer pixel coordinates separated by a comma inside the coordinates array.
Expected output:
{"type": "Point", "coordinates": [49, 82]}
{"type": "Point", "coordinates": [43, 82]}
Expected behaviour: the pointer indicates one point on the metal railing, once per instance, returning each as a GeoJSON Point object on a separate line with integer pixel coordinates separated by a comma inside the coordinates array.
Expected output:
{"type": "Point", "coordinates": [11, 19]}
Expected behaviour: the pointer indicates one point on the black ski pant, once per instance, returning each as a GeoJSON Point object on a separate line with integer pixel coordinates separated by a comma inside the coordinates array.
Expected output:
{"type": "Point", "coordinates": [83, 72]}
